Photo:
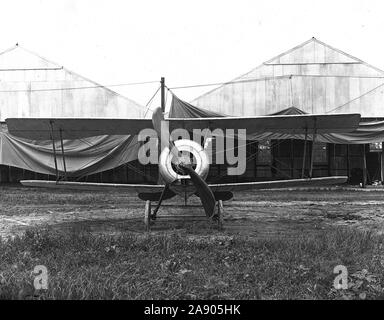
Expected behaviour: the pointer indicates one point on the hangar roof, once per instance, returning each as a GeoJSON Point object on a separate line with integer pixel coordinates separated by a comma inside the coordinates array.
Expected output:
{"type": "Point", "coordinates": [313, 77]}
{"type": "Point", "coordinates": [33, 86]}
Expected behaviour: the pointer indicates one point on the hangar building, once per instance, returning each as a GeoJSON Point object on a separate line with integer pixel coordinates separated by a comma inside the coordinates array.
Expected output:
{"type": "Point", "coordinates": [312, 78]}
{"type": "Point", "coordinates": [32, 86]}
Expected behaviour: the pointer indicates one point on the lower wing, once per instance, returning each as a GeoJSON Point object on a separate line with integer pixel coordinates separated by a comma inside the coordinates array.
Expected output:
{"type": "Point", "coordinates": [90, 186]}
{"type": "Point", "coordinates": [149, 188]}
{"type": "Point", "coordinates": [314, 182]}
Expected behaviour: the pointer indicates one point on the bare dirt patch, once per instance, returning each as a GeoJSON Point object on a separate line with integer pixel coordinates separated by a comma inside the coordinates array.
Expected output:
{"type": "Point", "coordinates": [255, 213]}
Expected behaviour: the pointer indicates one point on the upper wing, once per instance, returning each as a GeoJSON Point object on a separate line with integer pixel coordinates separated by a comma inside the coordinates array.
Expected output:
{"type": "Point", "coordinates": [70, 128]}
{"type": "Point", "coordinates": [294, 124]}
{"type": "Point", "coordinates": [73, 128]}
{"type": "Point", "coordinates": [314, 182]}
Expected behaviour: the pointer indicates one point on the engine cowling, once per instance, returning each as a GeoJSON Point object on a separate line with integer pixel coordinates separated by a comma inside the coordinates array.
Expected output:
{"type": "Point", "coordinates": [167, 168]}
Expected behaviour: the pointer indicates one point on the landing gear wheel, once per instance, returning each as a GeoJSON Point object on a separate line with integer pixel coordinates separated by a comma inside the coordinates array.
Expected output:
{"type": "Point", "coordinates": [147, 215]}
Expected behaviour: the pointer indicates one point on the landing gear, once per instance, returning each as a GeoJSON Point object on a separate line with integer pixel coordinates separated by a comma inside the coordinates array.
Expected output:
{"type": "Point", "coordinates": [217, 218]}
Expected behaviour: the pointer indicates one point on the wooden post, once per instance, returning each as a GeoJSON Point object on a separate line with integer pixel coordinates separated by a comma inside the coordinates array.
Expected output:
{"type": "Point", "coordinates": [312, 153]}
{"type": "Point", "coordinates": [147, 215]}
{"type": "Point", "coordinates": [54, 150]}
{"type": "Point", "coordinates": [292, 160]}
{"type": "Point", "coordinates": [364, 168]}
{"type": "Point", "coordinates": [382, 163]}
{"type": "Point", "coordinates": [62, 151]}
{"type": "Point", "coordinates": [162, 83]}
{"type": "Point", "coordinates": [255, 159]}
{"type": "Point", "coordinates": [220, 211]}
{"type": "Point", "coordinates": [348, 163]}
{"type": "Point", "coordinates": [329, 159]}
{"type": "Point", "coordinates": [304, 154]}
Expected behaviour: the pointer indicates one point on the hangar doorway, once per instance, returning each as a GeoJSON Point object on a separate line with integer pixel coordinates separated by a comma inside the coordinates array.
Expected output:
{"type": "Point", "coordinates": [374, 154]}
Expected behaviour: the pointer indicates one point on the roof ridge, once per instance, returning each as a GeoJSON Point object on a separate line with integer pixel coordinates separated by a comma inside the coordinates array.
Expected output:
{"type": "Point", "coordinates": [313, 39]}
{"type": "Point", "coordinates": [348, 55]}
{"type": "Point", "coordinates": [10, 49]}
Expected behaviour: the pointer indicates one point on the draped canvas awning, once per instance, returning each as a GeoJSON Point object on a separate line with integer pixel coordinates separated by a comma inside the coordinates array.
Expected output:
{"type": "Point", "coordinates": [96, 154]}
{"type": "Point", "coordinates": [82, 156]}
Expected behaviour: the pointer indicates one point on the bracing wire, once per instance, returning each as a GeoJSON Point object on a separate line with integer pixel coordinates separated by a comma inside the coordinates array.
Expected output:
{"type": "Point", "coordinates": [290, 76]}
{"type": "Point", "coordinates": [350, 101]}
{"type": "Point", "coordinates": [83, 87]}
{"type": "Point", "coordinates": [147, 106]}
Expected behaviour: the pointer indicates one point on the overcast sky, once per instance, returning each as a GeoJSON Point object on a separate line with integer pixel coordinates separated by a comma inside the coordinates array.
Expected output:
{"type": "Point", "coordinates": [187, 42]}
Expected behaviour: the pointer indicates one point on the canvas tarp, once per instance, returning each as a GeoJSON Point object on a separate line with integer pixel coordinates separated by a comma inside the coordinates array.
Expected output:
{"type": "Point", "coordinates": [367, 132]}
{"type": "Point", "coordinates": [82, 157]}
{"type": "Point", "coordinates": [182, 109]}
{"type": "Point", "coordinates": [96, 154]}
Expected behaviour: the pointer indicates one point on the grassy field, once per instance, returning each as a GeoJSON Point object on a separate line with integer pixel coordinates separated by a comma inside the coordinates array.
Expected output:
{"type": "Point", "coordinates": [276, 245]}
{"type": "Point", "coordinates": [172, 265]}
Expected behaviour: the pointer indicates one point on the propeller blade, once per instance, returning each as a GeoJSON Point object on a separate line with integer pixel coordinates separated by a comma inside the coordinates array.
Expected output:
{"type": "Point", "coordinates": [164, 135]}
{"type": "Point", "coordinates": [203, 190]}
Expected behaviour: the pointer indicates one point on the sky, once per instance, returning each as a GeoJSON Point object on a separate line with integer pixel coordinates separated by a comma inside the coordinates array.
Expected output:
{"type": "Point", "coordinates": [187, 42]}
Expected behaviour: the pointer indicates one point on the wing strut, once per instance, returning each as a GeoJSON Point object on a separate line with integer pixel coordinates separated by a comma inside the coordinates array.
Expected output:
{"type": "Point", "coordinates": [313, 149]}
{"type": "Point", "coordinates": [304, 154]}
{"type": "Point", "coordinates": [166, 188]}
{"type": "Point", "coordinates": [63, 154]}
{"type": "Point", "coordinates": [58, 178]}
{"type": "Point", "coordinates": [54, 150]}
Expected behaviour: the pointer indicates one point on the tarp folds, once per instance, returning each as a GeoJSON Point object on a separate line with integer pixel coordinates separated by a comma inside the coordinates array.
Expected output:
{"type": "Point", "coordinates": [82, 157]}
{"type": "Point", "coordinates": [96, 154]}
{"type": "Point", "coordinates": [182, 109]}
{"type": "Point", "coordinates": [367, 132]}
{"type": "Point", "coordinates": [288, 111]}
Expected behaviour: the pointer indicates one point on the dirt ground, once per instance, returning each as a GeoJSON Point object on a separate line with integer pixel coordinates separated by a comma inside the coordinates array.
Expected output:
{"type": "Point", "coordinates": [257, 213]}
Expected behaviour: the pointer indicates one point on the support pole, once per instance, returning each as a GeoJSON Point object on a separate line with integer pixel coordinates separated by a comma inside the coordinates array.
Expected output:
{"type": "Point", "coordinates": [220, 211]}
{"type": "Point", "coordinates": [54, 150]}
{"type": "Point", "coordinates": [382, 163]}
{"type": "Point", "coordinates": [62, 152]}
{"type": "Point", "coordinates": [312, 153]}
{"type": "Point", "coordinates": [185, 198]}
{"type": "Point", "coordinates": [304, 154]}
{"type": "Point", "coordinates": [364, 168]}
{"type": "Point", "coordinates": [147, 215]}
{"type": "Point", "coordinates": [292, 160]}
{"type": "Point", "coordinates": [348, 163]}
{"type": "Point", "coordinates": [162, 83]}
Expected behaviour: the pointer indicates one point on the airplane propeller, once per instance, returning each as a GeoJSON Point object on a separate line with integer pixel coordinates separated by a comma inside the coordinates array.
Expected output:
{"type": "Point", "coordinates": [203, 190]}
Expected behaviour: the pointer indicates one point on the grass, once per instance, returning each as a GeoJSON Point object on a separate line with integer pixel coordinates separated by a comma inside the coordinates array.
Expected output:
{"type": "Point", "coordinates": [22, 195]}
{"type": "Point", "coordinates": [172, 265]}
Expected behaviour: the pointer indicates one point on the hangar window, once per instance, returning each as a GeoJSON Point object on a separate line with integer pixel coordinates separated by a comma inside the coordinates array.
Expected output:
{"type": "Point", "coordinates": [264, 152]}
{"type": "Point", "coordinates": [264, 160]}
{"type": "Point", "coordinates": [375, 147]}
{"type": "Point", "coordinates": [320, 152]}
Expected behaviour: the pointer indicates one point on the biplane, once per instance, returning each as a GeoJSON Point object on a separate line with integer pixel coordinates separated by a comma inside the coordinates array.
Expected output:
{"type": "Point", "coordinates": [179, 173]}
